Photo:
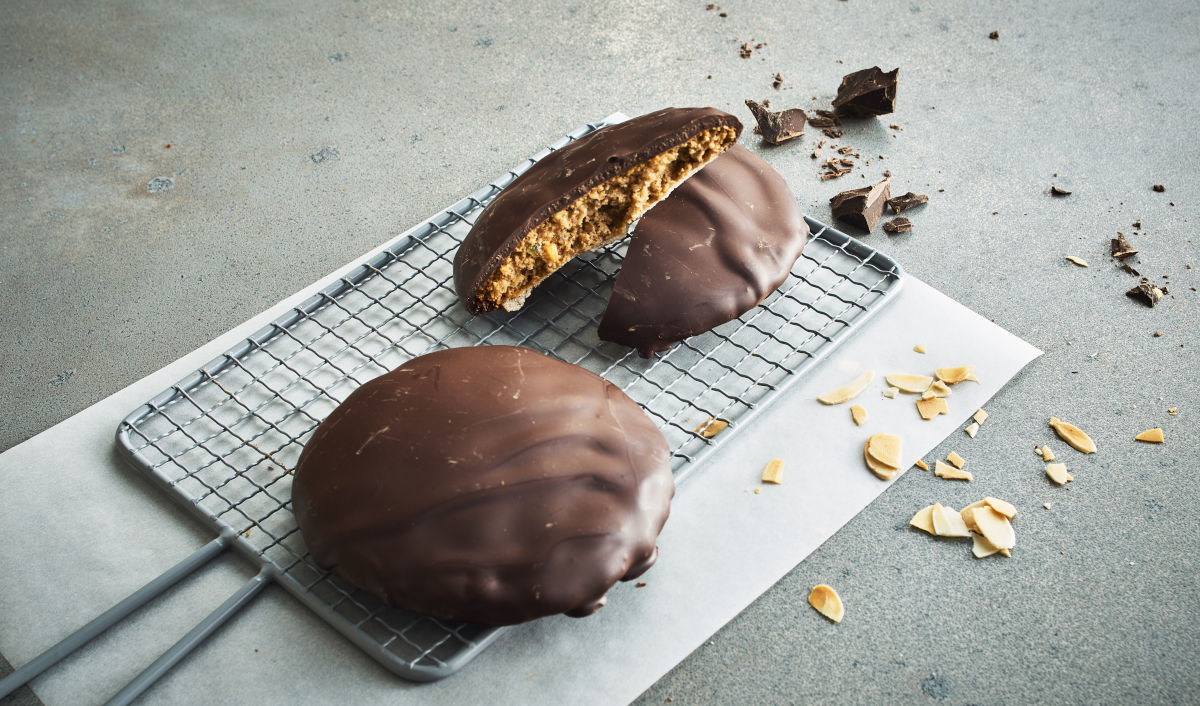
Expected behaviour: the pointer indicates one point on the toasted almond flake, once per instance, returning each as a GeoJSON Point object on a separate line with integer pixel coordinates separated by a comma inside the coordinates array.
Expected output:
{"type": "Point", "coordinates": [1073, 435]}
{"type": "Point", "coordinates": [885, 448]}
{"type": "Point", "coordinates": [757, 491]}
{"type": "Point", "coordinates": [945, 470]}
{"type": "Point", "coordinates": [1058, 473]}
{"type": "Point", "coordinates": [928, 395]}
{"type": "Point", "coordinates": [773, 473]}
{"type": "Point", "coordinates": [1077, 261]}
{"type": "Point", "coordinates": [995, 527]}
{"type": "Point", "coordinates": [890, 392]}
{"type": "Point", "coordinates": [914, 384]}
{"type": "Point", "coordinates": [983, 547]}
{"type": "Point", "coordinates": [848, 391]}
{"type": "Point", "coordinates": [972, 429]}
{"type": "Point", "coordinates": [922, 465]}
{"type": "Point", "coordinates": [980, 416]}
{"type": "Point", "coordinates": [932, 407]}
{"type": "Point", "coordinates": [957, 374]}
{"type": "Point", "coordinates": [1047, 505]}
{"type": "Point", "coordinates": [858, 414]}
{"type": "Point", "coordinates": [920, 348]}
{"type": "Point", "coordinates": [827, 602]}
{"type": "Point", "coordinates": [1047, 454]}
{"type": "Point", "coordinates": [881, 471]}
{"type": "Point", "coordinates": [702, 425]}
{"type": "Point", "coordinates": [1001, 506]}
{"type": "Point", "coordinates": [923, 520]}
{"type": "Point", "coordinates": [938, 389]}
{"type": "Point", "coordinates": [1154, 436]}
{"type": "Point", "coordinates": [713, 428]}
{"type": "Point", "coordinates": [947, 522]}
{"type": "Point", "coordinates": [968, 515]}
{"type": "Point", "coordinates": [957, 460]}
{"type": "Point", "coordinates": [1006, 552]}
{"type": "Point", "coordinates": [1172, 411]}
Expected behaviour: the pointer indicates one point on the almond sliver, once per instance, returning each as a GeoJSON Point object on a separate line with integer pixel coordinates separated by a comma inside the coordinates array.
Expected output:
{"type": "Point", "coordinates": [827, 602]}
{"type": "Point", "coordinates": [914, 384]}
{"type": "Point", "coordinates": [1073, 435]}
{"type": "Point", "coordinates": [995, 527]}
{"type": "Point", "coordinates": [848, 391]}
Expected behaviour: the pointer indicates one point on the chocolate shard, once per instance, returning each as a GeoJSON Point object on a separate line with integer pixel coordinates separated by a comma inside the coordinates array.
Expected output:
{"type": "Point", "coordinates": [862, 207]}
{"type": "Point", "coordinates": [777, 128]}
{"type": "Point", "coordinates": [994, 34]}
{"type": "Point", "coordinates": [867, 92]}
{"type": "Point", "coordinates": [824, 118]}
{"type": "Point", "coordinates": [489, 484]}
{"type": "Point", "coordinates": [1146, 293]}
{"type": "Point", "coordinates": [900, 204]}
{"type": "Point", "coordinates": [712, 250]}
{"type": "Point", "coordinates": [898, 225]}
{"type": "Point", "coordinates": [1159, 188]}
{"type": "Point", "coordinates": [1056, 190]}
{"type": "Point", "coordinates": [1121, 247]}
{"type": "Point", "coordinates": [1125, 266]}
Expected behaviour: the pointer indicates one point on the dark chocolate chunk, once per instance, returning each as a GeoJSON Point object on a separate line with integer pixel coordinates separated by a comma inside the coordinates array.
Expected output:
{"type": "Point", "coordinates": [862, 207]}
{"type": "Point", "coordinates": [994, 34]}
{"type": "Point", "coordinates": [490, 485]}
{"type": "Point", "coordinates": [1159, 188]}
{"type": "Point", "coordinates": [867, 92]}
{"type": "Point", "coordinates": [777, 128]}
{"type": "Point", "coordinates": [900, 204]}
{"type": "Point", "coordinates": [824, 118]}
{"type": "Point", "coordinates": [1146, 293]}
{"type": "Point", "coordinates": [898, 225]}
{"type": "Point", "coordinates": [562, 177]}
{"type": "Point", "coordinates": [711, 251]}
{"type": "Point", "coordinates": [1121, 247]}
{"type": "Point", "coordinates": [1056, 190]}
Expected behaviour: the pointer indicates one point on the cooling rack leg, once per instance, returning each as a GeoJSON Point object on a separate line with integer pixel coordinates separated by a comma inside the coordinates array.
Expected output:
{"type": "Point", "coordinates": [189, 641]}
{"type": "Point", "coordinates": [113, 615]}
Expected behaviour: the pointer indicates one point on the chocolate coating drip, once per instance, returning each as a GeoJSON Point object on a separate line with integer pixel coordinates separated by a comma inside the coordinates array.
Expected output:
{"type": "Point", "coordinates": [708, 253]}
{"type": "Point", "coordinates": [489, 485]}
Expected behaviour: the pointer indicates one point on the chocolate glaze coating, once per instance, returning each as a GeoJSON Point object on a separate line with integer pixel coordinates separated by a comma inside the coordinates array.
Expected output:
{"type": "Point", "coordinates": [489, 485]}
{"type": "Point", "coordinates": [563, 176]}
{"type": "Point", "coordinates": [708, 253]}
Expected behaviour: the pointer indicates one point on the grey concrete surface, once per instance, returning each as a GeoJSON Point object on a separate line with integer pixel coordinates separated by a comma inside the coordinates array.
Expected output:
{"type": "Point", "coordinates": [301, 134]}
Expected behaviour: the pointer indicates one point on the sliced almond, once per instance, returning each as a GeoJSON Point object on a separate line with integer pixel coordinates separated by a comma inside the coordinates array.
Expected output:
{"type": "Point", "coordinates": [1073, 435]}
{"type": "Point", "coordinates": [914, 384]}
{"type": "Point", "coordinates": [890, 392]}
{"type": "Point", "coordinates": [885, 448]}
{"type": "Point", "coordinates": [972, 429]}
{"type": "Point", "coordinates": [932, 407]}
{"type": "Point", "coordinates": [773, 473]}
{"type": "Point", "coordinates": [947, 522]}
{"type": "Point", "coordinates": [827, 602]}
{"type": "Point", "coordinates": [938, 389]}
{"type": "Point", "coordinates": [858, 414]}
{"type": "Point", "coordinates": [922, 465]}
{"type": "Point", "coordinates": [1047, 454]}
{"type": "Point", "coordinates": [920, 348]}
{"type": "Point", "coordinates": [945, 470]}
{"type": "Point", "coordinates": [923, 520]}
{"type": "Point", "coordinates": [712, 428]}
{"type": "Point", "coordinates": [1173, 411]}
{"type": "Point", "coordinates": [957, 460]}
{"type": "Point", "coordinates": [1001, 506]}
{"type": "Point", "coordinates": [1006, 552]}
{"type": "Point", "coordinates": [848, 391]}
{"type": "Point", "coordinates": [928, 394]}
{"type": "Point", "coordinates": [1058, 473]}
{"type": "Point", "coordinates": [995, 527]}
{"type": "Point", "coordinates": [880, 470]}
{"type": "Point", "coordinates": [968, 515]}
{"type": "Point", "coordinates": [1154, 436]}
{"type": "Point", "coordinates": [983, 547]}
{"type": "Point", "coordinates": [1077, 261]}
{"type": "Point", "coordinates": [980, 416]}
{"type": "Point", "coordinates": [957, 374]}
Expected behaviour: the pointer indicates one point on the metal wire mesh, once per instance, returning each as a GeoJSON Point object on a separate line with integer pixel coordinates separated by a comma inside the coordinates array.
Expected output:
{"type": "Point", "coordinates": [224, 440]}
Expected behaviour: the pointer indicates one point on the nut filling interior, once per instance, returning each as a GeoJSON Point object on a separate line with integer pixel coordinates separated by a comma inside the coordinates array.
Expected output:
{"type": "Point", "coordinates": [599, 217]}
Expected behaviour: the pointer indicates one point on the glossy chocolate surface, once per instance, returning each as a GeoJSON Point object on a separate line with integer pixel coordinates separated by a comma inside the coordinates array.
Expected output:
{"type": "Point", "coordinates": [708, 253]}
{"type": "Point", "coordinates": [490, 485]}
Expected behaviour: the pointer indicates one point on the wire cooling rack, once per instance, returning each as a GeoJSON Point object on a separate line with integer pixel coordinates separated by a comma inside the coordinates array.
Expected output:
{"type": "Point", "coordinates": [224, 440]}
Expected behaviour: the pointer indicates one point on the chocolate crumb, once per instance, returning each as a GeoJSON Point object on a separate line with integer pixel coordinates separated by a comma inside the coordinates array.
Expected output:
{"type": "Point", "coordinates": [778, 81]}
{"type": "Point", "coordinates": [907, 201]}
{"type": "Point", "coordinates": [994, 34]}
{"type": "Point", "coordinates": [824, 118]}
{"type": "Point", "coordinates": [1125, 266]}
{"type": "Point", "coordinates": [723, 14]}
{"type": "Point", "coordinates": [861, 207]}
{"type": "Point", "coordinates": [777, 128]}
{"type": "Point", "coordinates": [1137, 225]}
{"type": "Point", "coordinates": [1056, 190]}
{"type": "Point", "coordinates": [832, 132]}
{"type": "Point", "coordinates": [1158, 333]}
{"type": "Point", "coordinates": [745, 51]}
{"type": "Point", "coordinates": [867, 92]}
{"type": "Point", "coordinates": [894, 126]}
{"type": "Point", "coordinates": [1121, 247]}
{"type": "Point", "coordinates": [640, 584]}
{"type": "Point", "coordinates": [1159, 188]}
{"type": "Point", "coordinates": [898, 225]}
{"type": "Point", "coordinates": [1147, 293]}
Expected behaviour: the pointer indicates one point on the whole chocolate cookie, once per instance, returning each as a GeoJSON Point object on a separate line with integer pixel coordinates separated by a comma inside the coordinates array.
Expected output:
{"type": "Point", "coordinates": [708, 253]}
{"type": "Point", "coordinates": [490, 485]}
{"type": "Point", "coordinates": [582, 197]}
